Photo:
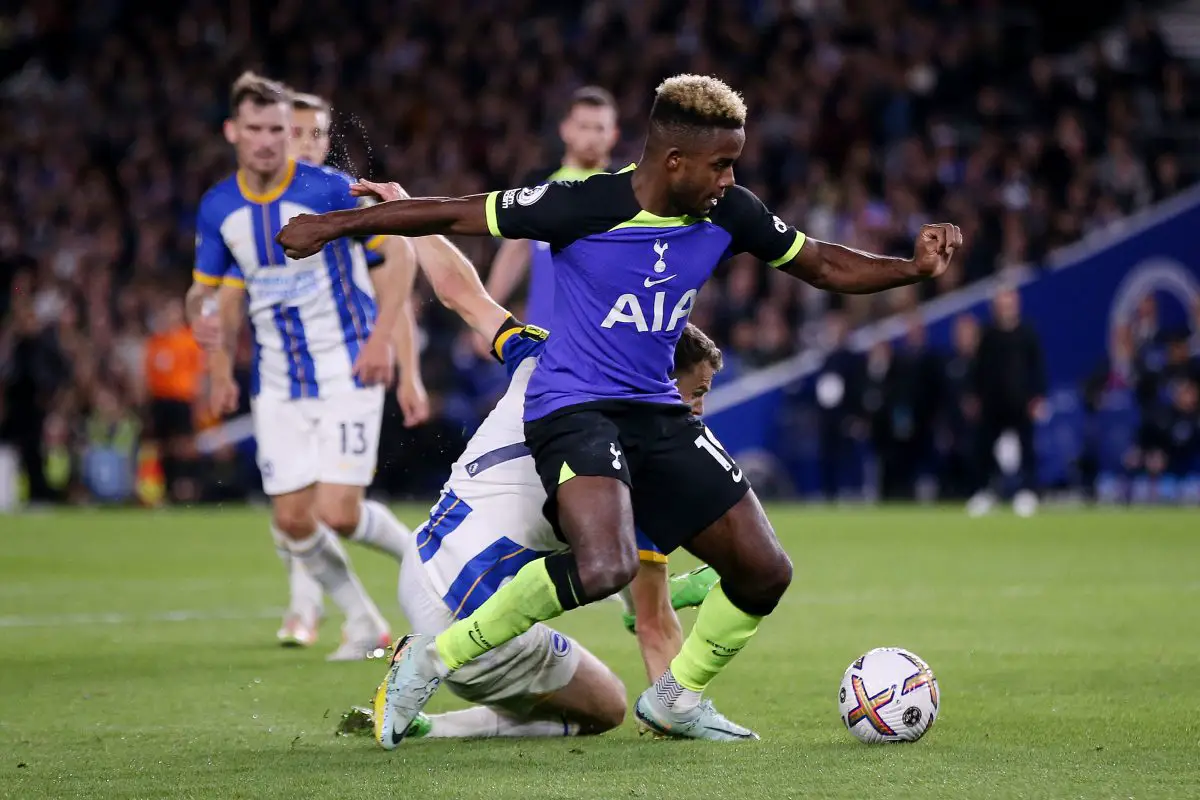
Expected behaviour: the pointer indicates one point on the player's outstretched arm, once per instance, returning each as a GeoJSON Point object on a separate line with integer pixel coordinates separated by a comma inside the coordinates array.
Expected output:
{"type": "Point", "coordinates": [457, 285]}
{"type": "Point", "coordinates": [508, 268]}
{"type": "Point", "coordinates": [659, 634]}
{"type": "Point", "coordinates": [410, 391]}
{"type": "Point", "coordinates": [836, 268]}
{"type": "Point", "coordinates": [306, 234]}
{"type": "Point", "coordinates": [451, 274]}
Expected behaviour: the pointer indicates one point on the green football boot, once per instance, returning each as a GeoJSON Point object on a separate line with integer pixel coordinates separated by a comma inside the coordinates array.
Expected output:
{"type": "Point", "coordinates": [360, 721]}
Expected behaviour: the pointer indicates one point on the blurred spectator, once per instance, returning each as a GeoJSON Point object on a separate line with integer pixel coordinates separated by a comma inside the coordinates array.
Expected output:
{"type": "Point", "coordinates": [1163, 362]}
{"type": "Point", "coordinates": [839, 392]}
{"type": "Point", "coordinates": [1009, 384]}
{"type": "Point", "coordinates": [958, 412]}
{"type": "Point", "coordinates": [33, 369]}
{"type": "Point", "coordinates": [110, 440]}
{"type": "Point", "coordinates": [910, 400]}
{"type": "Point", "coordinates": [1168, 441]}
{"type": "Point", "coordinates": [867, 119]}
{"type": "Point", "coordinates": [174, 363]}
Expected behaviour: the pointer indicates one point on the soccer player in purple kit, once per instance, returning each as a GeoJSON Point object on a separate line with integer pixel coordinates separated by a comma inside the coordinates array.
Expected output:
{"type": "Point", "coordinates": [610, 435]}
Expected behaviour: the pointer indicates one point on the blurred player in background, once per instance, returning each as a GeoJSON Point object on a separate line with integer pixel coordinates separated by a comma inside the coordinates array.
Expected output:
{"type": "Point", "coordinates": [322, 356]}
{"type": "Point", "coordinates": [392, 269]}
{"type": "Point", "coordinates": [541, 683]}
{"type": "Point", "coordinates": [589, 133]}
{"type": "Point", "coordinates": [311, 121]}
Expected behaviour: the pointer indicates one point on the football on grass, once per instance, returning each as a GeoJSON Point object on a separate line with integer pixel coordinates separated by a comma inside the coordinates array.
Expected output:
{"type": "Point", "coordinates": [888, 695]}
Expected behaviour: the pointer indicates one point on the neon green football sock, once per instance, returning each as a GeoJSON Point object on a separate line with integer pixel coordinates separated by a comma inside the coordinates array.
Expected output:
{"type": "Point", "coordinates": [720, 632]}
{"type": "Point", "coordinates": [529, 598]}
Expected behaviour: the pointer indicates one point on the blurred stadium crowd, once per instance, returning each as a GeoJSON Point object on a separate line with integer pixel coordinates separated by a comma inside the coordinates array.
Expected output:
{"type": "Point", "coordinates": [868, 119]}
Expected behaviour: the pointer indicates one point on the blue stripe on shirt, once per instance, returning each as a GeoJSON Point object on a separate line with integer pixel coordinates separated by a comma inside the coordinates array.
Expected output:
{"type": "Point", "coordinates": [354, 330]}
{"type": "Point", "coordinates": [308, 367]}
{"type": "Point", "coordinates": [301, 370]}
{"type": "Point", "coordinates": [444, 519]}
{"type": "Point", "coordinates": [266, 222]}
{"type": "Point", "coordinates": [498, 456]}
{"type": "Point", "coordinates": [484, 573]}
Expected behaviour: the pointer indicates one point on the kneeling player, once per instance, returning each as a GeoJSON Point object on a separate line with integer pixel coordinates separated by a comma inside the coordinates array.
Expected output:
{"type": "Point", "coordinates": [488, 523]}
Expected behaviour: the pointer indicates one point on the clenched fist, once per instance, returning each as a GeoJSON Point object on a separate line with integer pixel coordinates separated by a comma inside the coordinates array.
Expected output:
{"type": "Point", "coordinates": [935, 247]}
{"type": "Point", "coordinates": [306, 234]}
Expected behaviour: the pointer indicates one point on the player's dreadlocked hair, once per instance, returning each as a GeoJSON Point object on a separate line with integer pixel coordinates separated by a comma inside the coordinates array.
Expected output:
{"type": "Point", "coordinates": [696, 101]}
{"type": "Point", "coordinates": [258, 90]}
{"type": "Point", "coordinates": [695, 348]}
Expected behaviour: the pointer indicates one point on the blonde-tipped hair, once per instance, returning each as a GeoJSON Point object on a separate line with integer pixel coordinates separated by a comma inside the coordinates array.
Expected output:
{"type": "Point", "coordinates": [698, 100]}
{"type": "Point", "coordinates": [257, 89]}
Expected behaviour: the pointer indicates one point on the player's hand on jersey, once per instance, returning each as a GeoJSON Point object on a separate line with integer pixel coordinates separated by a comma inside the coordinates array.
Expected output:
{"type": "Point", "coordinates": [375, 364]}
{"type": "Point", "coordinates": [413, 400]}
{"type": "Point", "coordinates": [306, 234]}
{"type": "Point", "coordinates": [383, 191]}
{"type": "Point", "coordinates": [935, 247]}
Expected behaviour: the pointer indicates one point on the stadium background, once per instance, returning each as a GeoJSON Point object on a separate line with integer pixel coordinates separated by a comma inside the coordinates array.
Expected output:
{"type": "Point", "coordinates": [1063, 147]}
{"type": "Point", "coordinates": [137, 647]}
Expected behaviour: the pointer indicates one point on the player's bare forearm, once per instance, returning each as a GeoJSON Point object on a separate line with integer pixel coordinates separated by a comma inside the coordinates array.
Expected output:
{"type": "Point", "coordinates": [416, 216]}
{"type": "Point", "coordinates": [193, 302]}
{"type": "Point", "coordinates": [404, 339]}
{"type": "Point", "coordinates": [508, 267]}
{"type": "Point", "coordinates": [400, 259]}
{"type": "Point", "coordinates": [836, 268]}
{"type": "Point", "coordinates": [457, 285]}
{"type": "Point", "coordinates": [399, 254]}
{"type": "Point", "coordinates": [230, 309]}
{"type": "Point", "coordinates": [658, 631]}
{"type": "Point", "coordinates": [386, 281]}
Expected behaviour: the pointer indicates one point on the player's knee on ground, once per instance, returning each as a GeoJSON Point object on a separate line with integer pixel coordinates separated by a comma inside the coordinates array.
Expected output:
{"type": "Point", "coordinates": [595, 698]}
{"type": "Point", "coordinates": [609, 712]}
{"type": "Point", "coordinates": [339, 510]}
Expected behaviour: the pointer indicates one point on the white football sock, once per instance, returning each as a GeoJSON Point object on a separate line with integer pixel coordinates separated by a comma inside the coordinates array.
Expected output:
{"type": "Point", "coordinates": [379, 529]}
{"type": "Point", "coordinates": [304, 593]}
{"type": "Point", "coordinates": [674, 696]}
{"type": "Point", "coordinates": [481, 722]}
{"type": "Point", "coordinates": [323, 557]}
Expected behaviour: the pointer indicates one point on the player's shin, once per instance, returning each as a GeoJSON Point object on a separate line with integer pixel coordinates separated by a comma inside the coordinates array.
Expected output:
{"type": "Point", "coordinates": [379, 529]}
{"type": "Point", "coordinates": [540, 591]}
{"type": "Point", "coordinates": [720, 632]}
{"type": "Point", "coordinates": [481, 722]}
{"type": "Point", "coordinates": [322, 555]}
{"type": "Point", "coordinates": [305, 597]}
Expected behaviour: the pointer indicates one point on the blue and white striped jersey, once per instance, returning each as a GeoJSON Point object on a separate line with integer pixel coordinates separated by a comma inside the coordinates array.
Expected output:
{"type": "Point", "coordinates": [488, 522]}
{"type": "Point", "coordinates": [310, 317]}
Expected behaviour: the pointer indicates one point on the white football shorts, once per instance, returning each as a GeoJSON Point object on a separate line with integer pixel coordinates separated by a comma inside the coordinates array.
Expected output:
{"type": "Point", "coordinates": [516, 675]}
{"type": "Point", "coordinates": [331, 440]}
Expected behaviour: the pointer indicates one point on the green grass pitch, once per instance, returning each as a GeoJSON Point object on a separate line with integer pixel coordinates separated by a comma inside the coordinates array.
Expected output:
{"type": "Point", "coordinates": [137, 659]}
